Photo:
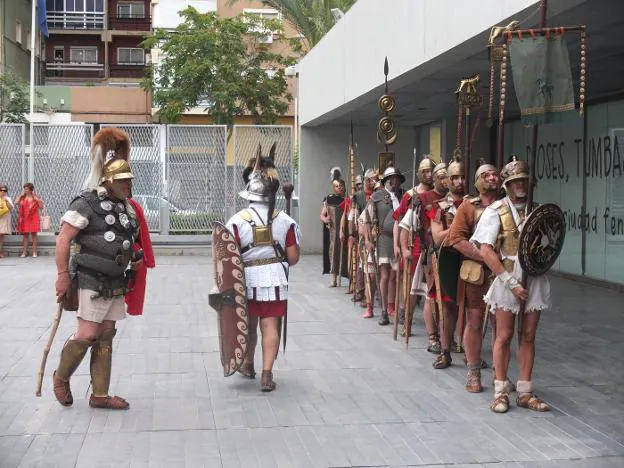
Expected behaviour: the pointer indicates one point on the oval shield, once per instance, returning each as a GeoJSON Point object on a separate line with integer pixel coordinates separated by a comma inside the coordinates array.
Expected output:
{"type": "Point", "coordinates": [541, 239]}
{"type": "Point", "coordinates": [229, 299]}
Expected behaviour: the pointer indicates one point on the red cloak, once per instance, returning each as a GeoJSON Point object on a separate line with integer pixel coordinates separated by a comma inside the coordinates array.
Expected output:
{"type": "Point", "coordinates": [136, 298]}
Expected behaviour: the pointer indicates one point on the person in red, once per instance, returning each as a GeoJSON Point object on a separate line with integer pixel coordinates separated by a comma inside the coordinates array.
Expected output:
{"type": "Point", "coordinates": [266, 263]}
{"type": "Point", "coordinates": [28, 221]}
{"type": "Point", "coordinates": [442, 215]}
{"type": "Point", "coordinates": [425, 184]}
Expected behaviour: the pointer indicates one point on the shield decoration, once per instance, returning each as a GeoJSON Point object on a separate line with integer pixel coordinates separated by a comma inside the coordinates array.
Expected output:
{"type": "Point", "coordinates": [449, 262]}
{"type": "Point", "coordinates": [541, 239]}
{"type": "Point", "coordinates": [229, 299]}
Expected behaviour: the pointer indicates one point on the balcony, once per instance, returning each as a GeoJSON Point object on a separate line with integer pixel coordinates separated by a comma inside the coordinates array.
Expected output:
{"type": "Point", "coordinates": [75, 20]}
{"type": "Point", "coordinates": [127, 70]}
{"type": "Point", "coordinates": [74, 70]}
{"type": "Point", "coordinates": [130, 23]}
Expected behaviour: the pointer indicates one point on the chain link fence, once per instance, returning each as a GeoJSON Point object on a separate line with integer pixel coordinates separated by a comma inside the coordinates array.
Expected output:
{"type": "Point", "coordinates": [183, 178]}
{"type": "Point", "coordinates": [246, 140]}
{"type": "Point", "coordinates": [13, 161]}
{"type": "Point", "coordinates": [196, 176]}
{"type": "Point", "coordinates": [61, 165]}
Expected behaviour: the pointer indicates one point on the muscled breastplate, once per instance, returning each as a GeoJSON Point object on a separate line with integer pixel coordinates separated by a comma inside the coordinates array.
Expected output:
{"type": "Point", "coordinates": [104, 247]}
{"type": "Point", "coordinates": [509, 235]}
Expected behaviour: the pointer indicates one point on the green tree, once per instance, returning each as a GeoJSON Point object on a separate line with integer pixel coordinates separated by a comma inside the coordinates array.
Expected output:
{"type": "Point", "coordinates": [220, 64]}
{"type": "Point", "coordinates": [14, 100]}
{"type": "Point", "coordinates": [311, 18]}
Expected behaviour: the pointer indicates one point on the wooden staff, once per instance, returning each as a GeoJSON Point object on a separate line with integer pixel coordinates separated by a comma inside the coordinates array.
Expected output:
{"type": "Point", "coordinates": [55, 324]}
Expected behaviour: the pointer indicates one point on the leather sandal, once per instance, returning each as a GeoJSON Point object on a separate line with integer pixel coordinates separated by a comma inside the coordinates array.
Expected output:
{"type": "Point", "coordinates": [484, 364]}
{"type": "Point", "coordinates": [108, 402]}
{"type": "Point", "coordinates": [473, 382]}
{"type": "Point", "coordinates": [500, 404]}
{"type": "Point", "coordinates": [248, 370]}
{"type": "Point", "coordinates": [62, 392]}
{"type": "Point", "coordinates": [532, 402]}
{"type": "Point", "coordinates": [443, 361]}
{"type": "Point", "coordinates": [267, 384]}
{"type": "Point", "coordinates": [434, 346]}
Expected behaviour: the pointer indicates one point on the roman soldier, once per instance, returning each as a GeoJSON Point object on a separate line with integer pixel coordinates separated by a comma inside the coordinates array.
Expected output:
{"type": "Point", "coordinates": [497, 235]}
{"type": "Point", "coordinates": [442, 215]}
{"type": "Point", "coordinates": [102, 225]}
{"type": "Point", "coordinates": [378, 236]}
{"type": "Point", "coordinates": [474, 274]}
{"type": "Point", "coordinates": [420, 224]}
{"type": "Point", "coordinates": [355, 233]}
{"type": "Point", "coordinates": [335, 253]}
{"type": "Point", "coordinates": [269, 245]}
{"type": "Point", "coordinates": [425, 184]}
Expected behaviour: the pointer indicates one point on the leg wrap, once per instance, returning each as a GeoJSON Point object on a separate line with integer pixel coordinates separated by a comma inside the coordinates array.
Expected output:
{"type": "Point", "coordinates": [71, 356]}
{"type": "Point", "coordinates": [101, 358]}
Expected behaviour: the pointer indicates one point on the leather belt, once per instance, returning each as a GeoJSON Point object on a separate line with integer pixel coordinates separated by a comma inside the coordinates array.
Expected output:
{"type": "Point", "coordinates": [263, 261]}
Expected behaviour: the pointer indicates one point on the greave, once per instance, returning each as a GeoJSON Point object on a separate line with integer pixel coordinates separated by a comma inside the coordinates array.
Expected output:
{"type": "Point", "coordinates": [101, 359]}
{"type": "Point", "coordinates": [71, 356]}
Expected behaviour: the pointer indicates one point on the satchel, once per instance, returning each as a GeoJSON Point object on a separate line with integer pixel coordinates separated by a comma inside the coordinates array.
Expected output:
{"type": "Point", "coordinates": [472, 272]}
{"type": "Point", "coordinates": [4, 207]}
{"type": "Point", "coordinates": [46, 221]}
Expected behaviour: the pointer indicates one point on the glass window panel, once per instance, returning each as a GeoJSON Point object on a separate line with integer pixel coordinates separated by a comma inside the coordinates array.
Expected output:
{"type": "Point", "coordinates": [79, 5]}
{"type": "Point", "coordinates": [99, 5]}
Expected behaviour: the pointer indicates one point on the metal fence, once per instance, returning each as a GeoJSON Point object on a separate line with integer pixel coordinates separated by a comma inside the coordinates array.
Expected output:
{"type": "Point", "coordinates": [182, 177]}
{"type": "Point", "coordinates": [12, 160]}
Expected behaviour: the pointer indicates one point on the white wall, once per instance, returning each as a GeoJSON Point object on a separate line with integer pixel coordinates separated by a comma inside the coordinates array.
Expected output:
{"type": "Point", "coordinates": [165, 12]}
{"type": "Point", "coordinates": [326, 146]}
{"type": "Point", "coordinates": [348, 61]}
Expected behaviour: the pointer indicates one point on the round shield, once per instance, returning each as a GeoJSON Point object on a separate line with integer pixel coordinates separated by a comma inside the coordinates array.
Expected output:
{"type": "Point", "coordinates": [541, 239]}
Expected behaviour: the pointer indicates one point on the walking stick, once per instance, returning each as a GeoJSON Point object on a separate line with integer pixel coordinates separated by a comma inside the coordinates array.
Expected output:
{"type": "Point", "coordinates": [55, 324]}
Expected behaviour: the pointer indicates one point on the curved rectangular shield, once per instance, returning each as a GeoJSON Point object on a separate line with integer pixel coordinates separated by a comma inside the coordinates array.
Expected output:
{"type": "Point", "coordinates": [229, 299]}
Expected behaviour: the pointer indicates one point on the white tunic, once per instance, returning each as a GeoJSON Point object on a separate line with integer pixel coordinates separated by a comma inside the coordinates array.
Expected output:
{"type": "Point", "coordinates": [264, 279]}
{"type": "Point", "coordinates": [499, 296]}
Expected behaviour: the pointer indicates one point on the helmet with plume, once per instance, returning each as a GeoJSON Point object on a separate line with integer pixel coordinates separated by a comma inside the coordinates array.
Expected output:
{"type": "Point", "coordinates": [335, 173]}
{"type": "Point", "coordinates": [262, 179]}
{"type": "Point", "coordinates": [110, 157]}
{"type": "Point", "coordinates": [267, 162]}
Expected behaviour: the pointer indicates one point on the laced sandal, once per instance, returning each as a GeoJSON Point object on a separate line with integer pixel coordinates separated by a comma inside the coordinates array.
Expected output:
{"type": "Point", "coordinates": [267, 383]}
{"type": "Point", "coordinates": [473, 382]}
{"type": "Point", "coordinates": [532, 402]}
{"type": "Point", "coordinates": [108, 402]}
{"type": "Point", "coordinates": [443, 361]}
{"type": "Point", "coordinates": [484, 364]}
{"type": "Point", "coordinates": [434, 345]}
{"type": "Point", "coordinates": [500, 404]}
{"type": "Point", "coordinates": [457, 348]}
{"type": "Point", "coordinates": [248, 370]}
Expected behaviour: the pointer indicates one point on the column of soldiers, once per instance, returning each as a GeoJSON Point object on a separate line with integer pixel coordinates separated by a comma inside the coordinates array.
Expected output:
{"type": "Point", "coordinates": [457, 254]}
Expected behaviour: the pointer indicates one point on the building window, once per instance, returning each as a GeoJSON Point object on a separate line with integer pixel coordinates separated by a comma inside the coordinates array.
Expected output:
{"type": "Point", "coordinates": [268, 14]}
{"type": "Point", "coordinates": [91, 6]}
{"type": "Point", "coordinates": [83, 55]}
{"type": "Point", "coordinates": [28, 39]}
{"type": "Point", "coordinates": [130, 10]}
{"type": "Point", "coordinates": [130, 56]}
{"type": "Point", "coordinates": [18, 32]}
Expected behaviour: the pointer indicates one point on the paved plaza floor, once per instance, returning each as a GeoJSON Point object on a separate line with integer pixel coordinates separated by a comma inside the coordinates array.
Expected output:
{"type": "Point", "coordinates": [347, 394]}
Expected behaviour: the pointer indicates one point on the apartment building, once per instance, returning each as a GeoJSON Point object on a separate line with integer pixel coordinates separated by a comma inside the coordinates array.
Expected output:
{"type": "Point", "coordinates": [97, 41]}
{"type": "Point", "coordinates": [15, 32]}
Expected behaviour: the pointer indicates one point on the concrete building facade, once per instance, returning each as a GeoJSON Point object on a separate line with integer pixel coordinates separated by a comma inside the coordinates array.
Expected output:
{"type": "Point", "coordinates": [431, 45]}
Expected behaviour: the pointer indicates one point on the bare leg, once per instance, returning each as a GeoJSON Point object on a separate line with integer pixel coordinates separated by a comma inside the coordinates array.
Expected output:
{"type": "Point", "coordinates": [247, 369]}
{"type": "Point", "coordinates": [473, 336]}
{"type": "Point", "coordinates": [270, 341]}
{"type": "Point", "coordinates": [34, 239]}
{"type": "Point", "coordinates": [391, 289]}
{"type": "Point", "coordinates": [25, 244]}
{"type": "Point", "coordinates": [502, 345]}
{"type": "Point", "coordinates": [1, 245]}
{"type": "Point", "coordinates": [526, 350]}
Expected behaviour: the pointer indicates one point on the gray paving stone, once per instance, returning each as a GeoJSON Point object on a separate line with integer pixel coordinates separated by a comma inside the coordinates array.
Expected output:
{"type": "Point", "coordinates": [348, 395]}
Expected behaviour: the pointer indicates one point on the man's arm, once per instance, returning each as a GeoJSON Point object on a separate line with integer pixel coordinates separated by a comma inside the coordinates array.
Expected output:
{"type": "Point", "coordinates": [493, 262]}
{"type": "Point", "coordinates": [67, 233]}
{"type": "Point", "coordinates": [324, 216]}
{"type": "Point", "coordinates": [468, 250]}
{"type": "Point", "coordinates": [438, 233]}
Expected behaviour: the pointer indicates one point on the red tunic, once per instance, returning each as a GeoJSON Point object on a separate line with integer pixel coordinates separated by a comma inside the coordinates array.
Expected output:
{"type": "Point", "coordinates": [263, 309]}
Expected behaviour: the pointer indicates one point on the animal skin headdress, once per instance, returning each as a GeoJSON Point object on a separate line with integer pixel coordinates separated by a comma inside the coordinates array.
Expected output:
{"type": "Point", "coordinates": [262, 179]}
{"type": "Point", "coordinates": [110, 146]}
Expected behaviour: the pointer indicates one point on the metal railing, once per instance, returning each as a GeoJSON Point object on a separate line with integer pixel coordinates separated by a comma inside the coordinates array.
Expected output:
{"type": "Point", "coordinates": [75, 20]}
{"type": "Point", "coordinates": [182, 176]}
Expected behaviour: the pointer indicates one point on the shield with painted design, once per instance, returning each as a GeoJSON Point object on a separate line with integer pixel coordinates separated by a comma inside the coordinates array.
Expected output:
{"type": "Point", "coordinates": [541, 239]}
{"type": "Point", "coordinates": [229, 299]}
